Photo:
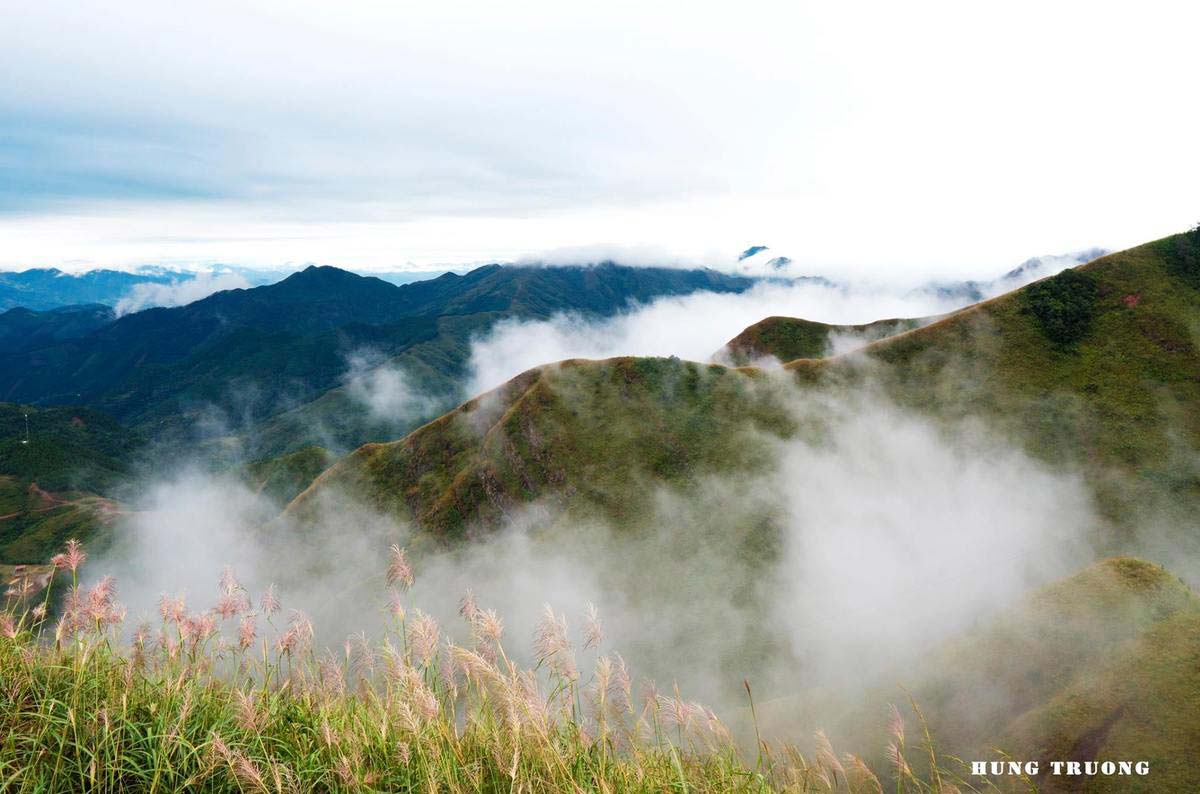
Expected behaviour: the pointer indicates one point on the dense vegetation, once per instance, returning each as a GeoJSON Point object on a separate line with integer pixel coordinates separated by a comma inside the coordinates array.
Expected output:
{"type": "Point", "coordinates": [25, 329]}
{"type": "Point", "coordinates": [70, 448]}
{"type": "Point", "coordinates": [1183, 256]}
{"type": "Point", "coordinates": [56, 466]}
{"type": "Point", "coordinates": [1063, 305]}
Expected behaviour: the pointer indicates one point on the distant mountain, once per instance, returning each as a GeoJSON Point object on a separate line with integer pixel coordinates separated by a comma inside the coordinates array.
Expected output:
{"type": "Point", "coordinates": [758, 260]}
{"type": "Point", "coordinates": [1027, 272]}
{"type": "Point", "coordinates": [751, 251]}
{"type": "Point", "coordinates": [50, 288]}
{"type": "Point", "coordinates": [240, 357]}
{"type": "Point", "coordinates": [42, 289]}
{"type": "Point", "coordinates": [399, 277]}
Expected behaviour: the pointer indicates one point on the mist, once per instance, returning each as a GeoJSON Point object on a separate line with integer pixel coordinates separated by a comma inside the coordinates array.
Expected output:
{"type": "Point", "coordinates": [873, 528]}
{"type": "Point", "coordinates": [692, 327]}
{"type": "Point", "coordinates": [385, 389]}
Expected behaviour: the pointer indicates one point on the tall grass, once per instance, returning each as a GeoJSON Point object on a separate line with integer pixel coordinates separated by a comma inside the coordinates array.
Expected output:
{"type": "Point", "coordinates": [240, 698]}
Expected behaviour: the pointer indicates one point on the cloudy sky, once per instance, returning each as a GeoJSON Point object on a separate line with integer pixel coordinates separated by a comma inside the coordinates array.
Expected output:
{"type": "Point", "coordinates": [949, 139]}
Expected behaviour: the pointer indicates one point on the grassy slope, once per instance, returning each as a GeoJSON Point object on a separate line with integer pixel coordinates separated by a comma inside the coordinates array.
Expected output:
{"type": "Point", "coordinates": [790, 338]}
{"type": "Point", "coordinates": [1124, 399]}
{"type": "Point", "coordinates": [1098, 666]}
{"type": "Point", "coordinates": [579, 430]}
{"type": "Point", "coordinates": [1101, 665]}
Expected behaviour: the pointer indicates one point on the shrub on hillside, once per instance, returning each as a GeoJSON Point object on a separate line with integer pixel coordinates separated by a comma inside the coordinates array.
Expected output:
{"type": "Point", "coordinates": [1183, 256]}
{"type": "Point", "coordinates": [1063, 305]}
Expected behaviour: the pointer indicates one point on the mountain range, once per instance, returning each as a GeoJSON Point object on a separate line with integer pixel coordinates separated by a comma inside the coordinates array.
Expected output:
{"type": "Point", "coordinates": [242, 358]}
{"type": "Point", "coordinates": [43, 289]}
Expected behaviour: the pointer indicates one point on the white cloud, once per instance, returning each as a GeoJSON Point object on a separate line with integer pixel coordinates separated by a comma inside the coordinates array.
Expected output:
{"type": "Point", "coordinates": [893, 532]}
{"type": "Point", "coordinates": [692, 327]}
{"type": "Point", "coordinates": [179, 292]}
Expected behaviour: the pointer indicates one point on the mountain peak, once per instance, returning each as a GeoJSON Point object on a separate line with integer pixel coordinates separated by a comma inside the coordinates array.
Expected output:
{"type": "Point", "coordinates": [321, 276]}
{"type": "Point", "coordinates": [751, 251]}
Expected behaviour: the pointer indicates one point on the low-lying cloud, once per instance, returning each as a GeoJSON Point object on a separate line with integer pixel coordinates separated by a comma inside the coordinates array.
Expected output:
{"type": "Point", "coordinates": [879, 529]}
{"type": "Point", "coordinates": [385, 389]}
{"type": "Point", "coordinates": [692, 327]}
{"type": "Point", "coordinates": [180, 292]}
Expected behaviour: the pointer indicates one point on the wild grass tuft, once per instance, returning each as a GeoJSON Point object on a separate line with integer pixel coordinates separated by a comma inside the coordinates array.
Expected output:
{"type": "Point", "coordinates": [215, 700]}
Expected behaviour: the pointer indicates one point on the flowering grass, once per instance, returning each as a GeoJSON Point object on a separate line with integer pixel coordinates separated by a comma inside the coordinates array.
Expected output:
{"type": "Point", "coordinates": [239, 697]}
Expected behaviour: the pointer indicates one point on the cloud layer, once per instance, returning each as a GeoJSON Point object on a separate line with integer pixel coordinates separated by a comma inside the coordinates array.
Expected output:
{"type": "Point", "coordinates": [692, 327]}
{"type": "Point", "coordinates": [454, 133]}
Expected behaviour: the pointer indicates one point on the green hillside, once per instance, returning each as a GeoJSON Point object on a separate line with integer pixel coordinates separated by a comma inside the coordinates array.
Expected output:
{"type": "Point", "coordinates": [50, 477]}
{"type": "Point", "coordinates": [35, 523]}
{"type": "Point", "coordinates": [790, 338]}
{"type": "Point", "coordinates": [43, 289]}
{"type": "Point", "coordinates": [1135, 687]}
{"type": "Point", "coordinates": [1097, 666]}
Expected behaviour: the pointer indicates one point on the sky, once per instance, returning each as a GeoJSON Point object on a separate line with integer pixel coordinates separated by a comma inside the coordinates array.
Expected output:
{"type": "Point", "coordinates": [882, 140]}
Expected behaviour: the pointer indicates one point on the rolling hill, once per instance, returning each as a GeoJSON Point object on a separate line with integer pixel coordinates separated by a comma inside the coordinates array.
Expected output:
{"type": "Point", "coordinates": [580, 432]}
